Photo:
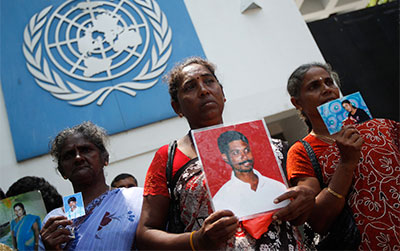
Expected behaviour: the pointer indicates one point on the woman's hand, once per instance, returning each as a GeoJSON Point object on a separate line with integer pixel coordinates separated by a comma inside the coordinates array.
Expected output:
{"type": "Point", "coordinates": [349, 143]}
{"type": "Point", "coordinates": [217, 229]}
{"type": "Point", "coordinates": [302, 202]}
{"type": "Point", "coordinates": [54, 233]}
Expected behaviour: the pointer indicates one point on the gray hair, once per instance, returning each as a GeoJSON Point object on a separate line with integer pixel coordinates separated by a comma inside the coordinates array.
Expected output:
{"type": "Point", "coordinates": [295, 82]}
{"type": "Point", "coordinates": [93, 133]}
{"type": "Point", "coordinates": [296, 79]}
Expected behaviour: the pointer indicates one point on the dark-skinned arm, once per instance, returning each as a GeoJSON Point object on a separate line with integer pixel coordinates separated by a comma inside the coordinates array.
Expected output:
{"type": "Point", "coordinates": [328, 206]}
{"type": "Point", "coordinates": [301, 205]}
{"type": "Point", "coordinates": [54, 233]}
{"type": "Point", "coordinates": [35, 228]}
{"type": "Point", "coordinates": [215, 231]}
{"type": "Point", "coordinates": [14, 240]}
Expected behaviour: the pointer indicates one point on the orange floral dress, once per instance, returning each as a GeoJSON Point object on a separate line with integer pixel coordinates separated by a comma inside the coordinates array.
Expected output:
{"type": "Point", "coordinates": [375, 191]}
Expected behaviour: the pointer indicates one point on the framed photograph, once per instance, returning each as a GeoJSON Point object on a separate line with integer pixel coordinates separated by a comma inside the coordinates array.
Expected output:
{"type": "Point", "coordinates": [73, 206]}
{"type": "Point", "coordinates": [21, 219]}
{"type": "Point", "coordinates": [350, 107]}
{"type": "Point", "coordinates": [241, 168]}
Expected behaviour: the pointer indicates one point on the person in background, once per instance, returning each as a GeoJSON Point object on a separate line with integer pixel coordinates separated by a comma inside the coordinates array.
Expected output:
{"type": "Point", "coordinates": [25, 229]}
{"type": "Point", "coordinates": [124, 180]}
{"type": "Point", "coordinates": [51, 198]}
{"type": "Point", "coordinates": [359, 164]}
{"type": "Point", "coordinates": [111, 215]}
{"type": "Point", "coordinates": [177, 211]}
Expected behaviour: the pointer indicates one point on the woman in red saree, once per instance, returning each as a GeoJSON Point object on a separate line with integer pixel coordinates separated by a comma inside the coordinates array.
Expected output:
{"type": "Point", "coordinates": [182, 218]}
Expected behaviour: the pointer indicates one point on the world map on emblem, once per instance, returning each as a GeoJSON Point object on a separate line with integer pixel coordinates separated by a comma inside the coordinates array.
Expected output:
{"type": "Point", "coordinates": [70, 61]}
{"type": "Point", "coordinates": [98, 40]}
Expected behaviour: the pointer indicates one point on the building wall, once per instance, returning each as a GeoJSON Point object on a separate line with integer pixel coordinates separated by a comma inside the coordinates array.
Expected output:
{"type": "Point", "coordinates": [255, 52]}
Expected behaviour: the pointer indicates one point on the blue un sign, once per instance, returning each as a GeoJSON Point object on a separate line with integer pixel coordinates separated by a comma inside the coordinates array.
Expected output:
{"type": "Point", "coordinates": [64, 62]}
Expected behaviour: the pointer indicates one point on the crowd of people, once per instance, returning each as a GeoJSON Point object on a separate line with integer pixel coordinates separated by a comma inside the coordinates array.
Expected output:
{"type": "Point", "coordinates": [359, 169]}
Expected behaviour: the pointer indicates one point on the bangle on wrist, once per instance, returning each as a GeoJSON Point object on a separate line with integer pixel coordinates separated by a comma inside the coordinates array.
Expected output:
{"type": "Point", "coordinates": [191, 240]}
{"type": "Point", "coordinates": [337, 195]}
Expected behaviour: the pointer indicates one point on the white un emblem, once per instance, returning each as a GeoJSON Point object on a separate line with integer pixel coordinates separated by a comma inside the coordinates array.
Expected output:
{"type": "Point", "coordinates": [97, 41]}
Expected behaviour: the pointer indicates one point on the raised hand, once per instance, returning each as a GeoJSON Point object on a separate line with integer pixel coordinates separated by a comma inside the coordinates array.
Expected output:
{"type": "Point", "coordinates": [349, 142]}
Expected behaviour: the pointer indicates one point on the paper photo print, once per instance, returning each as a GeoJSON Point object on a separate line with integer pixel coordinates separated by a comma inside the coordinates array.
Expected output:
{"type": "Point", "coordinates": [241, 168]}
{"type": "Point", "coordinates": [73, 206]}
{"type": "Point", "coordinates": [336, 112]}
{"type": "Point", "coordinates": [21, 219]}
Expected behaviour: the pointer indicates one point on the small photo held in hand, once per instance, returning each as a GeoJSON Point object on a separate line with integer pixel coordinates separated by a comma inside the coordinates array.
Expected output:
{"type": "Point", "coordinates": [348, 109]}
{"type": "Point", "coordinates": [73, 206]}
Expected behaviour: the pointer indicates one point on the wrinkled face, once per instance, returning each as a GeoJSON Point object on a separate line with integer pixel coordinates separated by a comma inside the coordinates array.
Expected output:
{"type": "Point", "coordinates": [317, 88]}
{"type": "Point", "coordinates": [200, 97]}
{"type": "Point", "coordinates": [19, 211]}
{"type": "Point", "coordinates": [347, 107]}
{"type": "Point", "coordinates": [239, 156]}
{"type": "Point", "coordinates": [127, 182]}
{"type": "Point", "coordinates": [80, 160]}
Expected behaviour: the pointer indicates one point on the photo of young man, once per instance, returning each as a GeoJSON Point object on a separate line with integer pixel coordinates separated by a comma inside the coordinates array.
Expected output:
{"type": "Point", "coordinates": [248, 192]}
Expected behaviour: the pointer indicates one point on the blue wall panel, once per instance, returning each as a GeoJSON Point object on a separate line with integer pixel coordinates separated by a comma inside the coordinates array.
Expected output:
{"type": "Point", "coordinates": [56, 55]}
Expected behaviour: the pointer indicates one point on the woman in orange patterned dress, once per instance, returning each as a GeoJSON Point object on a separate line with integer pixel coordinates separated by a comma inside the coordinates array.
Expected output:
{"type": "Point", "coordinates": [360, 164]}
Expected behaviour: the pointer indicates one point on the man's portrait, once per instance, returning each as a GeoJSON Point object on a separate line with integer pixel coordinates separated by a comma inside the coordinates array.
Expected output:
{"type": "Point", "coordinates": [73, 206]}
{"type": "Point", "coordinates": [246, 190]}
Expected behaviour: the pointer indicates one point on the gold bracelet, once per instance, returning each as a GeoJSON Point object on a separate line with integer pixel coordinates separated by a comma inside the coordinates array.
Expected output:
{"type": "Point", "coordinates": [191, 241]}
{"type": "Point", "coordinates": [337, 195]}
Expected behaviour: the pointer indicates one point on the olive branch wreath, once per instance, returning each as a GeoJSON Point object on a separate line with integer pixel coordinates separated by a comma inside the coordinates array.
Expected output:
{"type": "Point", "coordinates": [53, 83]}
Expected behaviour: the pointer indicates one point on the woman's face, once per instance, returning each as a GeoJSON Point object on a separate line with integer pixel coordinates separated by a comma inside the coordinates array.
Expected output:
{"type": "Point", "coordinates": [200, 97]}
{"type": "Point", "coordinates": [19, 211]}
{"type": "Point", "coordinates": [80, 160]}
{"type": "Point", "coordinates": [317, 88]}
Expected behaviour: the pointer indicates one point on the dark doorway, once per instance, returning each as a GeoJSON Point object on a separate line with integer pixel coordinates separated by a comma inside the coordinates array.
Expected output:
{"type": "Point", "coordinates": [363, 47]}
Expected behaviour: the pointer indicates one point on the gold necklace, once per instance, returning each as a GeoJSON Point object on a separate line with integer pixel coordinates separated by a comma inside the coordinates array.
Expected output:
{"type": "Point", "coordinates": [324, 138]}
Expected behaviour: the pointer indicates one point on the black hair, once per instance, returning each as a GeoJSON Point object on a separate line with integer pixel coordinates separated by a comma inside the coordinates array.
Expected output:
{"type": "Point", "coordinates": [19, 204]}
{"type": "Point", "coordinates": [71, 199]}
{"type": "Point", "coordinates": [2, 194]}
{"type": "Point", "coordinates": [52, 199]}
{"type": "Point", "coordinates": [175, 77]}
{"type": "Point", "coordinates": [346, 102]}
{"type": "Point", "coordinates": [121, 177]}
{"type": "Point", "coordinates": [225, 138]}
